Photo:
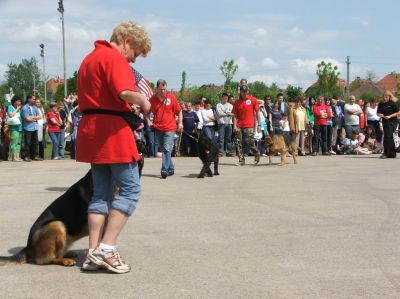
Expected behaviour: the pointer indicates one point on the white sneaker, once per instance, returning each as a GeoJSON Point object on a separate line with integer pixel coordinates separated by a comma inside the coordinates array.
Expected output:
{"type": "Point", "coordinates": [88, 265]}
{"type": "Point", "coordinates": [109, 260]}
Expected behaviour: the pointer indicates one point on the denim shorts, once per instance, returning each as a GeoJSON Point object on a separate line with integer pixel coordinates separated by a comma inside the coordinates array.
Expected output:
{"type": "Point", "coordinates": [105, 178]}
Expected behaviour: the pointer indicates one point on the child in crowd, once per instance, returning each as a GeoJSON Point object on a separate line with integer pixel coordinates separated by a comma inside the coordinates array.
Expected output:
{"type": "Point", "coordinates": [355, 143]}
{"type": "Point", "coordinates": [284, 123]}
{"type": "Point", "coordinates": [343, 146]}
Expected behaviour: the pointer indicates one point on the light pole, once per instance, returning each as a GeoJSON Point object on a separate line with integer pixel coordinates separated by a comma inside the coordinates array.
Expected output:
{"type": "Point", "coordinates": [61, 10]}
{"type": "Point", "coordinates": [42, 54]}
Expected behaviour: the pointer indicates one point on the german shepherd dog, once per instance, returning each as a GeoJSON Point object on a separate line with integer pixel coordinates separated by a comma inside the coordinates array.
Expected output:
{"type": "Point", "coordinates": [208, 153]}
{"type": "Point", "coordinates": [276, 144]}
{"type": "Point", "coordinates": [63, 222]}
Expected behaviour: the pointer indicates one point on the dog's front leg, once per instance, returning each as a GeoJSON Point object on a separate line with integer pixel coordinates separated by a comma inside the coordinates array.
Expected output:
{"type": "Point", "coordinates": [203, 171]}
{"type": "Point", "coordinates": [209, 172]}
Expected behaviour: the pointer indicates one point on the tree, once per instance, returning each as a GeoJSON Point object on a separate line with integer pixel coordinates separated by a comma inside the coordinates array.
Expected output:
{"type": "Point", "coordinates": [71, 86]}
{"type": "Point", "coordinates": [328, 78]}
{"type": "Point", "coordinates": [371, 76]}
{"type": "Point", "coordinates": [228, 70]}
{"type": "Point", "coordinates": [24, 77]}
{"type": "Point", "coordinates": [183, 85]}
{"type": "Point", "coordinates": [293, 92]}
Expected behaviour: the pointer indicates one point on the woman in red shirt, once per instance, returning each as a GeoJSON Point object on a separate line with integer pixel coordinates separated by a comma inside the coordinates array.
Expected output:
{"type": "Point", "coordinates": [106, 81]}
{"type": "Point", "coordinates": [53, 127]}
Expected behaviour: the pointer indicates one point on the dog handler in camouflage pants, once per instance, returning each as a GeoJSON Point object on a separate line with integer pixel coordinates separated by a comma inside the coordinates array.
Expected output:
{"type": "Point", "coordinates": [244, 110]}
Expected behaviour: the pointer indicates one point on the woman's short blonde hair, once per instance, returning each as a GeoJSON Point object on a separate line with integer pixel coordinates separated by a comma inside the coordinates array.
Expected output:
{"type": "Point", "coordinates": [135, 34]}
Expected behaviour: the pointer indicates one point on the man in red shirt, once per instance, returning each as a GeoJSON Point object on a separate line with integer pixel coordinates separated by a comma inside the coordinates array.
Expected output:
{"type": "Point", "coordinates": [165, 107]}
{"type": "Point", "coordinates": [244, 110]}
{"type": "Point", "coordinates": [321, 114]}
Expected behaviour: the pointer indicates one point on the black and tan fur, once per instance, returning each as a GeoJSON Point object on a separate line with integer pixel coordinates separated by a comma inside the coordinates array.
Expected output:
{"type": "Point", "coordinates": [276, 144]}
{"type": "Point", "coordinates": [61, 223]}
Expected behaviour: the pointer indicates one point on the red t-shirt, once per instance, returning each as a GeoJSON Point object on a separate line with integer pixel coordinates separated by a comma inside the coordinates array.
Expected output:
{"type": "Point", "coordinates": [244, 110]}
{"type": "Point", "coordinates": [104, 138]}
{"type": "Point", "coordinates": [51, 127]}
{"type": "Point", "coordinates": [317, 110]}
{"type": "Point", "coordinates": [164, 112]}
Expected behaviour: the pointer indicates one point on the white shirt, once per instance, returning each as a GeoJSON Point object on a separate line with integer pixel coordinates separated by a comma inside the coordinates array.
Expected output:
{"type": "Point", "coordinates": [222, 111]}
{"type": "Point", "coordinates": [206, 114]}
{"type": "Point", "coordinates": [200, 124]}
{"type": "Point", "coordinates": [372, 114]}
{"type": "Point", "coordinates": [351, 119]}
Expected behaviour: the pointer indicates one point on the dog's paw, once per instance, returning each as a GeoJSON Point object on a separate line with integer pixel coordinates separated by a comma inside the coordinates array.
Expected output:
{"type": "Point", "coordinates": [216, 173]}
{"type": "Point", "coordinates": [69, 262]}
{"type": "Point", "coordinates": [210, 175]}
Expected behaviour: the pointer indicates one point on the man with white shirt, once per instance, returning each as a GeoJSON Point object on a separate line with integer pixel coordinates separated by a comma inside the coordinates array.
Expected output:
{"type": "Point", "coordinates": [352, 113]}
{"type": "Point", "coordinates": [224, 113]}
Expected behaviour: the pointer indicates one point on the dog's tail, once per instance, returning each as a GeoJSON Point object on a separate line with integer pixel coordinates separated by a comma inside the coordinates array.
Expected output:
{"type": "Point", "coordinates": [20, 257]}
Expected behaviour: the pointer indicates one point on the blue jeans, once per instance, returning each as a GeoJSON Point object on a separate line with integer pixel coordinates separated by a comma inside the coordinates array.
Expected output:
{"type": "Point", "coordinates": [105, 177]}
{"type": "Point", "coordinates": [209, 131]}
{"type": "Point", "coordinates": [165, 140]}
{"type": "Point", "coordinates": [61, 143]}
{"type": "Point", "coordinates": [225, 137]}
{"type": "Point", "coordinates": [55, 139]}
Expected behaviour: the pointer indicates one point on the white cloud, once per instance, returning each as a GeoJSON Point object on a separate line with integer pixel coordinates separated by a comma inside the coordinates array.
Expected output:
{"type": "Point", "coordinates": [364, 23]}
{"type": "Point", "coordinates": [242, 63]}
{"type": "Point", "coordinates": [269, 63]}
{"type": "Point", "coordinates": [296, 31]}
{"type": "Point", "coordinates": [261, 32]}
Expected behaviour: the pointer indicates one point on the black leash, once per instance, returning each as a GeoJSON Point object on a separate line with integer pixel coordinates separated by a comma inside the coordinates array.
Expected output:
{"type": "Point", "coordinates": [187, 134]}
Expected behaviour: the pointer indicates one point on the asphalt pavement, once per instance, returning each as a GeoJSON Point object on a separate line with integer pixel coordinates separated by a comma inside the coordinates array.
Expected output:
{"type": "Point", "coordinates": [328, 227]}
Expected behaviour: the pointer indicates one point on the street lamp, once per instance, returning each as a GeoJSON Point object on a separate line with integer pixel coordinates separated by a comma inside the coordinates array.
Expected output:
{"type": "Point", "coordinates": [61, 10]}
{"type": "Point", "coordinates": [42, 54]}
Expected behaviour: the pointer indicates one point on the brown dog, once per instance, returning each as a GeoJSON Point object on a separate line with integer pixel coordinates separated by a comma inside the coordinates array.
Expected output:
{"type": "Point", "coordinates": [61, 223]}
{"type": "Point", "coordinates": [276, 144]}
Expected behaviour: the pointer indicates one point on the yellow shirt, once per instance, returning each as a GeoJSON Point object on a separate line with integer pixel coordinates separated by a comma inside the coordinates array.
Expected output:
{"type": "Point", "coordinates": [300, 115]}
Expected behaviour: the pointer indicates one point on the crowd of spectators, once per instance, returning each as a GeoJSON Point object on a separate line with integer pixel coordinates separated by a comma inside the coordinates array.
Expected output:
{"type": "Point", "coordinates": [319, 126]}
{"type": "Point", "coordinates": [25, 126]}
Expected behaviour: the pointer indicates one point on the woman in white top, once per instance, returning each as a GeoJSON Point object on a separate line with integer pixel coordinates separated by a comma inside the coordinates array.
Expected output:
{"type": "Point", "coordinates": [374, 120]}
{"type": "Point", "coordinates": [42, 123]}
{"type": "Point", "coordinates": [208, 117]}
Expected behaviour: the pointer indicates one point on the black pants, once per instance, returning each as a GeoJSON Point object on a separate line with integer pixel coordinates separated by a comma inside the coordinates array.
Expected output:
{"type": "Point", "coordinates": [319, 139]}
{"type": "Point", "coordinates": [189, 145]}
{"type": "Point", "coordinates": [329, 131]}
{"type": "Point", "coordinates": [31, 144]}
{"type": "Point", "coordinates": [377, 129]}
{"type": "Point", "coordinates": [41, 149]}
{"type": "Point", "coordinates": [389, 149]}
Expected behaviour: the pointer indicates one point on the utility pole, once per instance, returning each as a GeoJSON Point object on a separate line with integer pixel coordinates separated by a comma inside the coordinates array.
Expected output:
{"type": "Point", "coordinates": [348, 76]}
{"type": "Point", "coordinates": [61, 10]}
{"type": "Point", "coordinates": [42, 54]}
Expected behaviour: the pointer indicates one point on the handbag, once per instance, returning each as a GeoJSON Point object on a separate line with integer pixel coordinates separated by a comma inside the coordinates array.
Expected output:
{"type": "Point", "coordinates": [13, 121]}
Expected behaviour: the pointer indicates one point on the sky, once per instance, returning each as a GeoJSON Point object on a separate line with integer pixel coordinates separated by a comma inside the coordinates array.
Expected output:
{"type": "Point", "coordinates": [271, 41]}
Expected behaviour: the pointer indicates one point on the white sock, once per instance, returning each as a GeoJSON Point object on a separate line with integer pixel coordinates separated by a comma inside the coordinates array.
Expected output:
{"type": "Point", "coordinates": [106, 248]}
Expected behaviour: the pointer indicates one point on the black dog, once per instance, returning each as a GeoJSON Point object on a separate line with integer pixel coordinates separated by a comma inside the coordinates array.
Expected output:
{"type": "Point", "coordinates": [208, 153]}
{"type": "Point", "coordinates": [61, 223]}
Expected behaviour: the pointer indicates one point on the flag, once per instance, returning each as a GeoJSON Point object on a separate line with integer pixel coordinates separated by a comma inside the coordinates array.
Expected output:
{"type": "Point", "coordinates": [142, 84]}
